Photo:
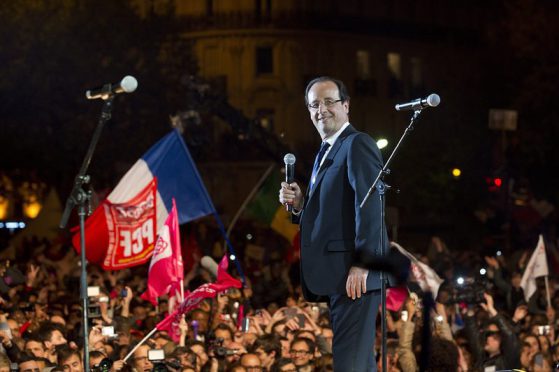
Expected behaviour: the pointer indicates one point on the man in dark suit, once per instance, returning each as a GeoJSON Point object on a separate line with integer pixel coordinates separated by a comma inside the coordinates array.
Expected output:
{"type": "Point", "coordinates": [336, 234]}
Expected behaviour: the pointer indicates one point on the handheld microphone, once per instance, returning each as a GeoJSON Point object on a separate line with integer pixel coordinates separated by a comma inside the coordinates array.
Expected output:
{"type": "Point", "coordinates": [432, 100]}
{"type": "Point", "coordinates": [289, 160]}
{"type": "Point", "coordinates": [127, 85]}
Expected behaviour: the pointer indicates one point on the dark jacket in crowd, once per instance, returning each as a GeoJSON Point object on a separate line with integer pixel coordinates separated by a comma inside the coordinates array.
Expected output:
{"type": "Point", "coordinates": [509, 356]}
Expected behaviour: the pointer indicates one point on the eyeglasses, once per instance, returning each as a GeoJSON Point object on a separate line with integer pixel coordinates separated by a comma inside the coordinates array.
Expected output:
{"type": "Point", "coordinates": [299, 352]}
{"type": "Point", "coordinates": [326, 103]}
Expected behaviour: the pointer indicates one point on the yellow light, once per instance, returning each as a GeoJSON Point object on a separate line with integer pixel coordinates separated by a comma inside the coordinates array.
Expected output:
{"type": "Point", "coordinates": [4, 204]}
{"type": "Point", "coordinates": [32, 209]}
{"type": "Point", "coordinates": [456, 172]}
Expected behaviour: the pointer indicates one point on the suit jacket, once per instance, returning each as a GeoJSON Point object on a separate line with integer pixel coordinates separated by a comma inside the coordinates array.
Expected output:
{"type": "Point", "coordinates": [335, 232]}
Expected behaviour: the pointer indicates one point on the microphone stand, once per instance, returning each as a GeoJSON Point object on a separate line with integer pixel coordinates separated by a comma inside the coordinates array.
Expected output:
{"type": "Point", "coordinates": [81, 199]}
{"type": "Point", "coordinates": [382, 188]}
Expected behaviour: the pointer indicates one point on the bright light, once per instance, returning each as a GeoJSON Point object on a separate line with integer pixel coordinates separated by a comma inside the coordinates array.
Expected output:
{"type": "Point", "coordinates": [499, 253]}
{"type": "Point", "coordinates": [482, 271]}
{"type": "Point", "coordinates": [232, 257]}
{"type": "Point", "coordinates": [382, 143]}
{"type": "Point", "coordinates": [4, 204]}
{"type": "Point", "coordinates": [32, 209]}
{"type": "Point", "coordinates": [497, 182]}
{"type": "Point", "coordinates": [249, 236]}
{"type": "Point", "coordinates": [456, 172]}
{"type": "Point", "coordinates": [460, 280]}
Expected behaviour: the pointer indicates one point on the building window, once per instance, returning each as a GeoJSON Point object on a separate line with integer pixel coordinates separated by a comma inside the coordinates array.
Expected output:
{"type": "Point", "coordinates": [416, 76]}
{"type": "Point", "coordinates": [364, 83]}
{"type": "Point", "coordinates": [363, 64]}
{"type": "Point", "coordinates": [394, 64]}
{"type": "Point", "coordinates": [263, 8]}
{"type": "Point", "coordinates": [264, 60]}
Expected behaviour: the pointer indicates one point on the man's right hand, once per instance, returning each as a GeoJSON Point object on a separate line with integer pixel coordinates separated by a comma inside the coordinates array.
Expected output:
{"type": "Point", "coordinates": [291, 194]}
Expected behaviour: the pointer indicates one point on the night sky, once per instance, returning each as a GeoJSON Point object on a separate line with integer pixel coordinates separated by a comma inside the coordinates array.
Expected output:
{"type": "Point", "coordinates": [51, 54]}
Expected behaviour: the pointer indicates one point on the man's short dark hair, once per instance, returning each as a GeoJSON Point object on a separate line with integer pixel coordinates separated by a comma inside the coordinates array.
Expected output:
{"type": "Point", "coordinates": [443, 355]}
{"type": "Point", "coordinates": [268, 343]}
{"type": "Point", "coordinates": [224, 327]}
{"type": "Point", "coordinates": [344, 95]}
{"type": "Point", "coordinates": [46, 329]}
{"type": "Point", "coordinates": [66, 352]}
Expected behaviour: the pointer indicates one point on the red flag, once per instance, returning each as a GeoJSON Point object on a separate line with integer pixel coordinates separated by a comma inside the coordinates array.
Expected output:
{"type": "Point", "coordinates": [395, 297]}
{"type": "Point", "coordinates": [166, 268]}
{"type": "Point", "coordinates": [122, 235]}
{"type": "Point", "coordinates": [122, 231]}
{"type": "Point", "coordinates": [192, 300]}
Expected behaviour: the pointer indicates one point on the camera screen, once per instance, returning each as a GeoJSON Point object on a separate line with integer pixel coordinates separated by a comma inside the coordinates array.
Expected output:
{"type": "Point", "coordinates": [92, 291]}
{"type": "Point", "coordinates": [108, 331]}
{"type": "Point", "coordinates": [156, 354]}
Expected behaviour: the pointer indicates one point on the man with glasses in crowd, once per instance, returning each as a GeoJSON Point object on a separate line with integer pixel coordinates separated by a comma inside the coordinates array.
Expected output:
{"type": "Point", "coordinates": [337, 236]}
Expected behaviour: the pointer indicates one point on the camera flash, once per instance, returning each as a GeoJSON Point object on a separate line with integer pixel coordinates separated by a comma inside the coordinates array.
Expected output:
{"type": "Point", "coordinates": [482, 271]}
{"type": "Point", "coordinates": [460, 280]}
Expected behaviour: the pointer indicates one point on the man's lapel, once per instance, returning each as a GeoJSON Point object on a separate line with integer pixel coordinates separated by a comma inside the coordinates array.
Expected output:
{"type": "Point", "coordinates": [330, 158]}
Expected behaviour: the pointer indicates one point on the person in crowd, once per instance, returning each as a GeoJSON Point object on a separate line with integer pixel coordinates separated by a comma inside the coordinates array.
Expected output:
{"type": "Point", "coordinates": [302, 352]}
{"type": "Point", "coordinates": [251, 362]}
{"type": "Point", "coordinates": [284, 365]}
{"type": "Point", "coordinates": [268, 349]}
{"type": "Point", "coordinates": [28, 363]}
{"type": "Point", "coordinates": [70, 359]}
{"type": "Point", "coordinates": [498, 345]}
{"type": "Point", "coordinates": [5, 364]}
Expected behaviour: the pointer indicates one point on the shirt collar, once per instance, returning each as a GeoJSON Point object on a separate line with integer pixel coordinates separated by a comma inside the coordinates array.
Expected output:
{"type": "Point", "coordinates": [335, 136]}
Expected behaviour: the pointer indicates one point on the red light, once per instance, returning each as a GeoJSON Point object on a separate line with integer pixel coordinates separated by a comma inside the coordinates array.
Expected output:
{"type": "Point", "coordinates": [497, 182]}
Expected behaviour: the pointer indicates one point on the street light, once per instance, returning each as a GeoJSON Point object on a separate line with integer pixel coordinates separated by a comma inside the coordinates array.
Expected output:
{"type": "Point", "coordinates": [382, 143]}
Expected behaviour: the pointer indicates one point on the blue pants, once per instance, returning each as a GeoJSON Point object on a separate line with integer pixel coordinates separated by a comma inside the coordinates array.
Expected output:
{"type": "Point", "coordinates": [353, 323]}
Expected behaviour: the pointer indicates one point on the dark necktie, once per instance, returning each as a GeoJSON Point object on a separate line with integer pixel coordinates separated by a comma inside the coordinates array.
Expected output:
{"type": "Point", "coordinates": [323, 148]}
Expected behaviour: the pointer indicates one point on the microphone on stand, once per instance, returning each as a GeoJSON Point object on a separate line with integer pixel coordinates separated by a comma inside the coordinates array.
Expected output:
{"type": "Point", "coordinates": [432, 100]}
{"type": "Point", "coordinates": [127, 85]}
{"type": "Point", "coordinates": [289, 160]}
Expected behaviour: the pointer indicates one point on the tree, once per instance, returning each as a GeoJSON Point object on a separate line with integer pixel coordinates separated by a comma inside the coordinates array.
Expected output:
{"type": "Point", "coordinates": [53, 51]}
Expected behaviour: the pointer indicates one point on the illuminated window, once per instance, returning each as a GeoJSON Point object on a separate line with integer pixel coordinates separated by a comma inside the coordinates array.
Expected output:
{"type": "Point", "coordinates": [363, 64]}
{"type": "Point", "coordinates": [394, 64]}
{"type": "Point", "coordinates": [364, 83]}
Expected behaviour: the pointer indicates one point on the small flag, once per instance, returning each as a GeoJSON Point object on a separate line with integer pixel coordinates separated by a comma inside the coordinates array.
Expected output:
{"type": "Point", "coordinates": [537, 266]}
{"type": "Point", "coordinates": [192, 300]}
{"type": "Point", "coordinates": [166, 268]}
{"type": "Point", "coordinates": [426, 277]}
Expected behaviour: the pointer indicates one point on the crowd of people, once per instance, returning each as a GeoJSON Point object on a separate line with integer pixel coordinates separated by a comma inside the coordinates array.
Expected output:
{"type": "Point", "coordinates": [483, 324]}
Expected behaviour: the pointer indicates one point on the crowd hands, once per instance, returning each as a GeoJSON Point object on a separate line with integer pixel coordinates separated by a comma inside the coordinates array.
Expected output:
{"type": "Point", "coordinates": [483, 324]}
{"type": "Point", "coordinates": [41, 323]}
{"type": "Point", "coordinates": [480, 322]}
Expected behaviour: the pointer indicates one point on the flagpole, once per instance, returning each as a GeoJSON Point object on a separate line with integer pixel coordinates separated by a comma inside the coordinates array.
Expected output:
{"type": "Point", "coordinates": [547, 291]}
{"type": "Point", "coordinates": [249, 198]}
{"type": "Point", "coordinates": [139, 344]}
{"type": "Point", "coordinates": [182, 290]}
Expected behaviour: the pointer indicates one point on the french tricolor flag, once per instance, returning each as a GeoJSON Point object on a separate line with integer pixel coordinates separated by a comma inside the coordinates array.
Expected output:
{"type": "Point", "coordinates": [122, 231]}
